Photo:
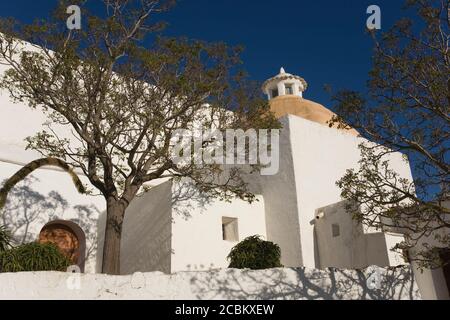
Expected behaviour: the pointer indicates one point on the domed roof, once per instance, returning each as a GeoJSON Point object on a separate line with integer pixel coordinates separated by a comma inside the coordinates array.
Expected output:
{"type": "Point", "coordinates": [310, 110]}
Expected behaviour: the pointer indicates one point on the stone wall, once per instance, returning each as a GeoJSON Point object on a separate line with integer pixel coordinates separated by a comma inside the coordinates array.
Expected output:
{"type": "Point", "coordinates": [227, 284]}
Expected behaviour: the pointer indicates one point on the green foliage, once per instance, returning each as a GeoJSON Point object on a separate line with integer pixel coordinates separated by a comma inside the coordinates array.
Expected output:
{"type": "Point", "coordinates": [255, 253]}
{"type": "Point", "coordinates": [5, 239]}
{"type": "Point", "coordinates": [33, 257]}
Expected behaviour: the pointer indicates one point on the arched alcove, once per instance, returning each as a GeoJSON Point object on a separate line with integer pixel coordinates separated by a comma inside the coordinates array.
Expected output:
{"type": "Point", "coordinates": [69, 238]}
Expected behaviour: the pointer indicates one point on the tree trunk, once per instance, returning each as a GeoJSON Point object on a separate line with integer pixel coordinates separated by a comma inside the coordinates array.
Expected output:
{"type": "Point", "coordinates": [115, 212]}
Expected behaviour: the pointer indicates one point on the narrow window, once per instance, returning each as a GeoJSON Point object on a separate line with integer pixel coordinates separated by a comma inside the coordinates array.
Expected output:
{"type": "Point", "coordinates": [335, 230]}
{"type": "Point", "coordinates": [230, 229]}
{"type": "Point", "coordinates": [289, 89]}
{"type": "Point", "coordinates": [274, 93]}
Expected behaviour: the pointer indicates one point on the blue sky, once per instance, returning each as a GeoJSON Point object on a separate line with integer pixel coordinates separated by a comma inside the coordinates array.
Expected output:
{"type": "Point", "coordinates": [323, 41]}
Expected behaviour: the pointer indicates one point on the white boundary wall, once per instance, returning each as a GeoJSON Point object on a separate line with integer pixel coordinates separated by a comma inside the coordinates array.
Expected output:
{"type": "Point", "coordinates": [226, 284]}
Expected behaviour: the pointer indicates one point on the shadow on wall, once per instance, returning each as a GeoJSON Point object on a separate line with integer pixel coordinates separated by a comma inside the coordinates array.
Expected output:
{"type": "Point", "coordinates": [147, 231]}
{"type": "Point", "coordinates": [27, 211]}
{"type": "Point", "coordinates": [186, 197]}
{"type": "Point", "coordinates": [306, 284]}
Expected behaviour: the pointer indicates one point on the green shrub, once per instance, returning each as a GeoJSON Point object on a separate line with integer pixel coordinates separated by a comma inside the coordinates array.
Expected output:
{"type": "Point", "coordinates": [33, 257]}
{"type": "Point", "coordinates": [255, 253]}
{"type": "Point", "coordinates": [5, 239]}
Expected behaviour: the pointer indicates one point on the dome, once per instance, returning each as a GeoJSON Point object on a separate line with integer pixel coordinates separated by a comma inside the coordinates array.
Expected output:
{"type": "Point", "coordinates": [303, 108]}
{"type": "Point", "coordinates": [284, 92]}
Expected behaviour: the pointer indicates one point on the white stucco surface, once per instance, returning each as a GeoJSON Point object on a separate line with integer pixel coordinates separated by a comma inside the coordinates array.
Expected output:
{"type": "Point", "coordinates": [147, 232]}
{"type": "Point", "coordinates": [169, 229]}
{"type": "Point", "coordinates": [432, 281]}
{"type": "Point", "coordinates": [349, 247]}
{"type": "Point", "coordinates": [321, 157]}
{"type": "Point", "coordinates": [280, 200]}
{"type": "Point", "coordinates": [50, 195]}
{"type": "Point", "coordinates": [197, 240]}
{"type": "Point", "coordinates": [226, 284]}
{"type": "Point", "coordinates": [17, 121]}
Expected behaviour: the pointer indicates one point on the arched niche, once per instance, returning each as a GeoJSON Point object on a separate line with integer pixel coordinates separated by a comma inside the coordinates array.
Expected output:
{"type": "Point", "coordinates": [69, 238]}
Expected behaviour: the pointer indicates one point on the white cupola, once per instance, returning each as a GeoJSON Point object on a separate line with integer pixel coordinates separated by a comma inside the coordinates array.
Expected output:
{"type": "Point", "coordinates": [284, 84]}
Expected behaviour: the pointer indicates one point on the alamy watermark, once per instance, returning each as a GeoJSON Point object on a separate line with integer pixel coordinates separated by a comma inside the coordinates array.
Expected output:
{"type": "Point", "coordinates": [74, 20]}
{"type": "Point", "coordinates": [374, 20]}
{"type": "Point", "coordinates": [374, 281]}
{"type": "Point", "coordinates": [73, 282]}
{"type": "Point", "coordinates": [229, 147]}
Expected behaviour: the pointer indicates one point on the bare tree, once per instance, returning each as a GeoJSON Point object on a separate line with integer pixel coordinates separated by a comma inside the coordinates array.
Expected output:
{"type": "Point", "coordinates": [405, 110]}
{"type": "Point", "coordinates": [123, 101]}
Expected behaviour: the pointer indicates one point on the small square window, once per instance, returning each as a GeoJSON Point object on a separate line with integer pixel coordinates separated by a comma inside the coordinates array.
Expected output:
{"type": "Point", "coordinates": [230, 230]}
{"type": "Point", "coordinates": [274, 93]}
{"type": "Point", "coordinates": [289, 89]}
{"type": "Point", "coordinates": [335, 230]}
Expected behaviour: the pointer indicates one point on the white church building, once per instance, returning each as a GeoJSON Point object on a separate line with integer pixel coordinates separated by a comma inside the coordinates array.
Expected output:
{"type": "Point", "coordinates": [299, 208]}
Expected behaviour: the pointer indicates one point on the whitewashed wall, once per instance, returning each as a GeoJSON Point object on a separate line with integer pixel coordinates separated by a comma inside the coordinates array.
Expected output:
{"type": "Point", "coordinates": [170, 229]}
{"type": "Point", "coordinates": [45, 196]}
{"type": "Point", "coordinates": [432, 283]}
{"type": "Point", "coordinates": [197, 242]}
{"type": "Point", "coordinates": [321, 157]}
{"type": "Point", "coordinates": [353, 247]}
{"type": "Point", "coordinates": [225, 284]}
{"type": "Point", "coordinates": [348, 249]}
{"type": "Point", "coordinates": [280, 201]}
{"type": "Point", "coordinates": [147, 232]}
